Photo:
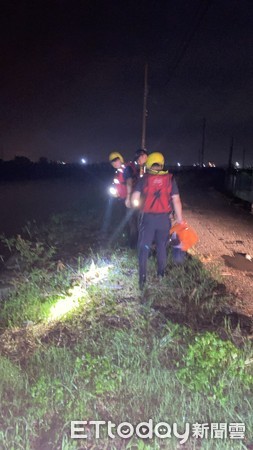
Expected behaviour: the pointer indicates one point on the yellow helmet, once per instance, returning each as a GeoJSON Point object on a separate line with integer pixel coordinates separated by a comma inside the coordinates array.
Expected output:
{"type": "Point", "coordinates": [155, 158]}
{"type": "Point", "coordinates": [115, 155]}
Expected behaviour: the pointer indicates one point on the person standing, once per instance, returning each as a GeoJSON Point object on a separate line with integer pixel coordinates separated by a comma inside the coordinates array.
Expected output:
{"type": "Point", "coordinates": [123, 183]}
{"type": "Point", "coordinates": [155, 192]}
{"type": "Point", "coordinates": [140, 157]}
{"type": "Point", "coordinates": [124, 177]}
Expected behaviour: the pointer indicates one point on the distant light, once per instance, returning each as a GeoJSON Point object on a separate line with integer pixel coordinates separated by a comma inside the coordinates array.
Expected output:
{"type": "Point", "coordinates": [237, 164]}
{"type": "Point", "coordinates": [204, 165]}
{"type": "Point", "coordinates": [179, 164]}
{"type": "Point", "coordinates": [83, 161]}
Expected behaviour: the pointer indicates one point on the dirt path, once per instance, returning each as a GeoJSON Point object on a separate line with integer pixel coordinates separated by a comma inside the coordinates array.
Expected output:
{"type": "Point", "coordinates": [225, 236]}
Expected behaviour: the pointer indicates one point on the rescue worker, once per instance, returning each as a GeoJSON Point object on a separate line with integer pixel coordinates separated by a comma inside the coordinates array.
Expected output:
{"type": "Point", "coordinates": [124, 181]}
{"type": "Point", "coordinates": [141, 159]}
{"type": "Point", "coordinates": [124, 178]}
{"type": "Point", "coordinates": [154, 192]}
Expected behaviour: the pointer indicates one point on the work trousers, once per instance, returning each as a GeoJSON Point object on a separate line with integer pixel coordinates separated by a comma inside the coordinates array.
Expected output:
{"type": "Point", "coordinates": [153, 228]}
{"type": "Point", "coordinates": [129, 223]}
{"type": "Point", "coordinates": [118, 219]}
{"type": "Point", "coordinates": [132, 217]}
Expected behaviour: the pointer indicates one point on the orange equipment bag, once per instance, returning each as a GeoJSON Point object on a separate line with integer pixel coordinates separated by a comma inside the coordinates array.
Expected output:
{"type": "Point", "coordinates": [186, 234]}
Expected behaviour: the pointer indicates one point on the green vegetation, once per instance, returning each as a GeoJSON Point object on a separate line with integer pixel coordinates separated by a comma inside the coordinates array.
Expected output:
{"type": "Point", "coordinates": [80, 342]}
{"type": "Point", "coordinates": [212, 365]}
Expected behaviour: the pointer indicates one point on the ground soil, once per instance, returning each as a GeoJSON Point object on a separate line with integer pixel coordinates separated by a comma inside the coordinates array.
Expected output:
{"type": "Point", "coordinates": [225, 229]}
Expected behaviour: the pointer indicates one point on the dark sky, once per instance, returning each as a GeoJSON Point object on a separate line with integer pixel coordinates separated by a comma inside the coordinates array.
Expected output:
{"type": "Point", "coordinates": [72, 76]}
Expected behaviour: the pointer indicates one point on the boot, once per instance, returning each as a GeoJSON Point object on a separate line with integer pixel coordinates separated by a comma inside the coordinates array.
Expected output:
{"type": "Point", "coordinates": [160, 273]}
{"type": "Point", "coordinates": [142, 281]}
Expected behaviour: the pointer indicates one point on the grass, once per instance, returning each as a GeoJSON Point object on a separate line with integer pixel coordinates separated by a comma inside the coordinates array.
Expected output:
{"type": "Point", "coordinates": [118, 375]}
{"type": "Point", "coordinates": [80, 342]}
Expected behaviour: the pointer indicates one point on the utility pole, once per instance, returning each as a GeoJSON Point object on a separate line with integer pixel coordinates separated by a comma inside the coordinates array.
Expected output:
{"type": "Point", "coordinates": [2, 152]}
{"type": "Point", "coordinates": [202, 150]}
{"type": "Point", "coordinates": [243, 157]}
{"type": "Point", "coordinates": [145, 112]}
{"type": "Point", "coordinates": [230, 159]}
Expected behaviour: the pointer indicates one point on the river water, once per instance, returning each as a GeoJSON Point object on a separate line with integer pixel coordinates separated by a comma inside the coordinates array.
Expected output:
{"type": "Point", "coordinates": [25, 201]}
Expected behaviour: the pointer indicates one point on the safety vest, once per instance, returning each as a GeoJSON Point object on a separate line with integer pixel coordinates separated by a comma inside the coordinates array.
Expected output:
{"type": "Point", "coordinates": [120, 183]}
{"type": "Point", "coordinates": [157, 193]}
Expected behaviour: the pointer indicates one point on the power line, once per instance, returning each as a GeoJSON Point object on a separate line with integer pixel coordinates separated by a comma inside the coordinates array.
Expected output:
{"type": "Point", "coordinates": [188, 36]}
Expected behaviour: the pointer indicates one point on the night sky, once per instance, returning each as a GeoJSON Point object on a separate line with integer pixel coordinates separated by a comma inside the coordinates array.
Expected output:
{"type": "Point", "coordinates": [72, 78]}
